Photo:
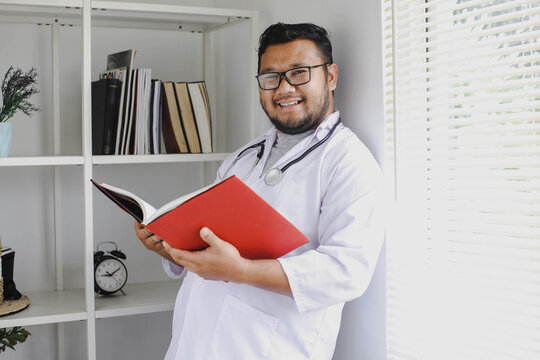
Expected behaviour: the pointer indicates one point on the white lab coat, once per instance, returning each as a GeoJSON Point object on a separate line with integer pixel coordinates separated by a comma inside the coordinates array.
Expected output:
{"type": "Point", "coordinates": [330, 196]}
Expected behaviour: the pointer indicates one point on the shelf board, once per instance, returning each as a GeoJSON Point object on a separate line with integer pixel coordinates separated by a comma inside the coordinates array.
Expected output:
{"type": "Point", "coordinates": [162, 158]}
{"type": "Point", "coordinates": [121, 14]}
{"type": "Point", "coordinates": [164, 17]}
{"type": "Point", "coordinates": [45, 4]}
{"type": "Point", "coordinates": [41, 160]}
{"type": "Point", "coordinates": [64, 12]}
{"type": "Point", "coordinates": [48, 307]}
{"type": "Point", "coordinates": [141, 298]}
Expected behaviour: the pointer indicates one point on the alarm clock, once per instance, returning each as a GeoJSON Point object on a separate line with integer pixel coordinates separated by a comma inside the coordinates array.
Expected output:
{"type": "Point", "coordinates": [110, 273]}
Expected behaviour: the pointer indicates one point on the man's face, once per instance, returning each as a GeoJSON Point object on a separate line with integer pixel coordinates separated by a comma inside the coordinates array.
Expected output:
{"type": "Point", "coordinates": [295, 109]}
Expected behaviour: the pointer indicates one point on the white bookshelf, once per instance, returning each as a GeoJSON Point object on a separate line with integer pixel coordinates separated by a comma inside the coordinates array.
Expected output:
{"type": "Point", "coordinates": [60, 305]}
{"type": "Point", "coordinates": [41, 160]}
{"type": "Point", "coordinates": [49, 307]}
{"type": "Point", "coordinates": [154, 159]}
{"type": "Point", "coordinates": [140, 298]}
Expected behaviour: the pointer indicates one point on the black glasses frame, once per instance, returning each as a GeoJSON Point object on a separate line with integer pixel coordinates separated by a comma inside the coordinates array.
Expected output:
{"type": "Point", "coordinates": [283, 74]}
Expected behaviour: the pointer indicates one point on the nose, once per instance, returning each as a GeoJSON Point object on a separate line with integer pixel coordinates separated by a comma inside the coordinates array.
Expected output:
{"type": "Point", "coordinates": [284, 85]}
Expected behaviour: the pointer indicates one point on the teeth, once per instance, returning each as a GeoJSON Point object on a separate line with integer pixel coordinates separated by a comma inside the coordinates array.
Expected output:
{"type": "Point", "coordinates": [289, 103]}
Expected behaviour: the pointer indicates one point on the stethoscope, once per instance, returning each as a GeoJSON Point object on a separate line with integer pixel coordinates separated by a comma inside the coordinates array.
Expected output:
{"type": "Point", "coordinates": [274, 174]}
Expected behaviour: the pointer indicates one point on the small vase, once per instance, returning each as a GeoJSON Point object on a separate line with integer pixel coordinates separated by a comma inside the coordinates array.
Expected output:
{"type": "Point", "coordinates": [5, 138]}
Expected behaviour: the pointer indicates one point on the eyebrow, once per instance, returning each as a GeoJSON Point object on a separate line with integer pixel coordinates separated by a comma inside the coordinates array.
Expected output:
{"type": "Point", "coordinates": [273, 69]}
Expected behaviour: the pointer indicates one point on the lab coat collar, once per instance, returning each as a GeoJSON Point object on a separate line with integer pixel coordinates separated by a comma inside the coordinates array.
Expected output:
{"type": "Point", "coordinates": [326, 125]}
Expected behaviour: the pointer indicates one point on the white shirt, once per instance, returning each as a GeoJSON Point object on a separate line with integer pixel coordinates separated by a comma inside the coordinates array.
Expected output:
{"type": "Point", "coordinates": [331, 196]}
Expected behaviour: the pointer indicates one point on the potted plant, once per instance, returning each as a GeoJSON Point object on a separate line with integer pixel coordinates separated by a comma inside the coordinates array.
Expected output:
{"type": "Point", "coordinates": [17, 88]}
{"type": "Point", "coordinates": [11, 337]}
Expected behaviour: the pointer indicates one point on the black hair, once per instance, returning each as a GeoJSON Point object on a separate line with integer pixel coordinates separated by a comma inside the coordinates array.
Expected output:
{"type": "Point", "coordinates": [280, 33]}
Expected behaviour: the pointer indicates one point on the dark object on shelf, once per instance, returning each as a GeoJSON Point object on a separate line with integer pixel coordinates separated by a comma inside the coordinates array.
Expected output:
{"type": "Point", "coordinates": [11, 300]}
{"type": "Point", "coordinates": [105, 106]}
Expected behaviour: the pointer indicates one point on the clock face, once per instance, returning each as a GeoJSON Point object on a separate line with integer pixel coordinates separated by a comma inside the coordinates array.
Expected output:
{"type": "Point", "coordinates": [110, 275]}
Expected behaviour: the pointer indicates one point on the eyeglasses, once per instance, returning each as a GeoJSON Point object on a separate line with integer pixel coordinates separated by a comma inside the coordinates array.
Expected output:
{"type": "Point", "coordinates": [295, 76]}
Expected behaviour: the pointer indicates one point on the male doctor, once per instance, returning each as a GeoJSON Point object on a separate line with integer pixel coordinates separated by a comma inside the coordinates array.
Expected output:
{"type": "Point", "coordinates": [229, 307]}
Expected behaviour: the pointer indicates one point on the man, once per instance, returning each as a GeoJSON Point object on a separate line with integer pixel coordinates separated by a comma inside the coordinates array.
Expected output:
{"type": "Point", "coordinates": [229, 307]}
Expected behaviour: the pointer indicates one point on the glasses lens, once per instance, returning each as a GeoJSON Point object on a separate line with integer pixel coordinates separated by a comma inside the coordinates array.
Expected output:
{"type": "Point", "coordinates": [268, 81]}
{"type": "Point", "coordinates": [298, 76]}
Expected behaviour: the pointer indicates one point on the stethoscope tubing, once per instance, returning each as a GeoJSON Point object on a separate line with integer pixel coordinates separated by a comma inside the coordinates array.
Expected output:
{"type": "Point", "coordinates": [277, 172]}
{"type": "Point", "coordinates": [319, 143]}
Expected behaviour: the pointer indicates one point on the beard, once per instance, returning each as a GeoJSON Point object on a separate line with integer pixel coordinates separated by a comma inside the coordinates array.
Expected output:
{"type": "Point", "coordinates": [311, 119]}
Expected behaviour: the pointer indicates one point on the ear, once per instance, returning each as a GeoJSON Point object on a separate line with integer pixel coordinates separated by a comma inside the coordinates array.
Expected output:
{"type": "Point", "coordinates": [332, 76]}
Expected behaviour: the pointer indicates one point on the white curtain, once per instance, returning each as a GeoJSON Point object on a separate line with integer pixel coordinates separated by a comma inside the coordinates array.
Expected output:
{"type": "Point", "coordinates": [462, 112]}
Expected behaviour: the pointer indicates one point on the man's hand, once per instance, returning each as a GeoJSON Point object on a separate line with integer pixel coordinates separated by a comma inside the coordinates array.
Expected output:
{"type": "Point", "coordinates": [222, 261]}
{"type": "Point", "coordinates": [219, 261]}
{"type": "Point", "coordinates": [150, 241]}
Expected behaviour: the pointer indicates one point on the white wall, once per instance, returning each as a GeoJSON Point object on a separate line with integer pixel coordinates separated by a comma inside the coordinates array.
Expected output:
{"type": "Point", "coordinates": [355, 30]}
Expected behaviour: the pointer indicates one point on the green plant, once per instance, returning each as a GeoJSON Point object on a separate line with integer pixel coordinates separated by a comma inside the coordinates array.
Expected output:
{"type": "Point", "coordinates": [11, 337]}
{"type": "Point", "coordinates": [17, 88]}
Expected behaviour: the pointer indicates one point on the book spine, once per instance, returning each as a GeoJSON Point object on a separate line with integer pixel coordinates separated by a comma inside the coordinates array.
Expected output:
{"type": "Point", "coordinates": [169, 140]}
{"type": "Point", "coordinates": [187, 117]}
{"type": "Point", "coordinates": [112, 103]}
{"type": "Point", "coordinates": [99, 93]}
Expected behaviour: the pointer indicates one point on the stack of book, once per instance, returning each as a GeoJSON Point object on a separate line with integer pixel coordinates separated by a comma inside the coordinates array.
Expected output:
{"type": "Point", "coordinates": [187, 126]}
{"type": "Point", "coordinates": [135, 114]}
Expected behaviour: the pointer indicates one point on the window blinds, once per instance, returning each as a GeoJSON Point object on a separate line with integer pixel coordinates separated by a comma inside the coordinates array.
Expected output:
{"type": "Point", "coordinates": [462, 113]}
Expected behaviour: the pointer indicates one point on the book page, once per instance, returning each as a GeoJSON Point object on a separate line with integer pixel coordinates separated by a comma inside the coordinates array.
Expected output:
{"type": "Point", "coordinates": [137, 207]}
{"type": "Point", "coordinates": [175, 203]}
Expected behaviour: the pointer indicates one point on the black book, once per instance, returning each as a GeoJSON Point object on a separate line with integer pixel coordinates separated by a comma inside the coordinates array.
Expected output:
{"type": "Point", "coordinates": [112, 105]}
{"type": "Point", "coordinates": [105, 103]}
{"type": "Point", "coordinates": [123, 59]}
{"type": "Point", "coordinates": [99, 94]}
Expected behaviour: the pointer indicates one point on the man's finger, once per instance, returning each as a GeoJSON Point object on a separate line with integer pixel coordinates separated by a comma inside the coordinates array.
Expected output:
{"type": "Point", "coordinates": [208, 236]}
{"type": "Point", "coordinates": [181, 256]}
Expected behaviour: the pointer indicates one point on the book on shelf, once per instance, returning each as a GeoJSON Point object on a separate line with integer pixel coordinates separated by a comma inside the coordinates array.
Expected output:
{"type": "Point", "coordinates": [120, 74]}
{"type": "Point", "coordinates": [155, 117]}
{"type": "Point", "coordinates": [201, 109]}
{"type": "Point", "coordinates": [105, 104]}
{"type": "Point", "coordinates": [141, 119]}
{"type": "Point", "coordinates": [230, 208]}
{"type": "Point", "coordinates": [99, 93]}
{"type": "Point", "coordinates": [119, 60]}
{"type": "Point", "coordinates": [174, 138]}
{"type": "Point", "coordinates": [128, 141]}
{"type": "Point", "coordinates": [188, 117]}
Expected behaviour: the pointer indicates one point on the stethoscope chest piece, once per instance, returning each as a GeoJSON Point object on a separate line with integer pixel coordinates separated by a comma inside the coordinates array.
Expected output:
{"type": "Point", "coordinates": [272, 176]}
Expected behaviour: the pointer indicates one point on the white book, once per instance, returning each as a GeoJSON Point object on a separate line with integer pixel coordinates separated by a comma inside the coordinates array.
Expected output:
{"type": "Point", "coordinates": [139, 113]}
{"type": "Point", "coordinates": [147, 108]}
{"type": "Point", "coordinates": [155, 116]}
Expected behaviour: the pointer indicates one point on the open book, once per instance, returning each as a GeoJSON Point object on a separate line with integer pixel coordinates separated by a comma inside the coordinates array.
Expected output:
{"type": "Point", "coordinates": [233, 211]}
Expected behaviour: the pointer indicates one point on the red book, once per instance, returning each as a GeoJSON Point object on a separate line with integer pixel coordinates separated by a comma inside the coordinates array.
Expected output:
{"type": "Point", "coordinates": [233, 211]}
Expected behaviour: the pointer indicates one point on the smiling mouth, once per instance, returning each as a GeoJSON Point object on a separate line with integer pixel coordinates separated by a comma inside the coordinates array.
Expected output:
{"type": "Point", "coordinates": [289, 103]}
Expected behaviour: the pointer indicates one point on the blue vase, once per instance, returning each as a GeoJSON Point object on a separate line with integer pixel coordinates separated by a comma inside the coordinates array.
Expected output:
{"type": "Point", "coordinates": [5, 138]}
